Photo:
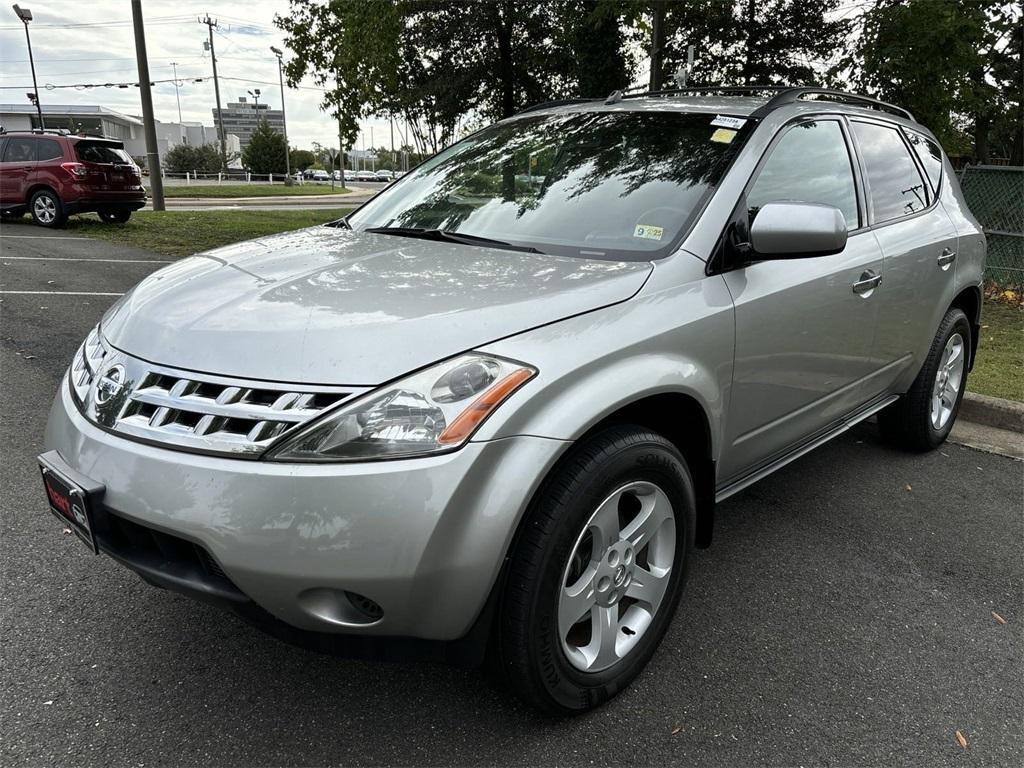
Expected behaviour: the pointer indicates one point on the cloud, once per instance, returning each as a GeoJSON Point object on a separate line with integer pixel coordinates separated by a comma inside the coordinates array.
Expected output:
{"type": "Point", "coordinates": [95, 45]}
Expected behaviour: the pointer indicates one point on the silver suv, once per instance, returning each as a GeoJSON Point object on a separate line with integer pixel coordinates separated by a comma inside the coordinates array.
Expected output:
{"type": "Point", "coordinates": [494, 408]}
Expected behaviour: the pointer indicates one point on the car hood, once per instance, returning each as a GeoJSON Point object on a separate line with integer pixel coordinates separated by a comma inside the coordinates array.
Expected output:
{"type": "Point", "coordinates": [332, 306]}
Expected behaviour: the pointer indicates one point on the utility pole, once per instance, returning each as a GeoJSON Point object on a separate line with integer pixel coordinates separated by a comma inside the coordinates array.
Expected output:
{"type": "Point", "coordinates": [156, 181]}
{"type": "Point", "coordinates": [177, 90]}
{"type": "Point", "coordinates": [284, 122]}
{"type": "Point", "coordinates": [211, 23]}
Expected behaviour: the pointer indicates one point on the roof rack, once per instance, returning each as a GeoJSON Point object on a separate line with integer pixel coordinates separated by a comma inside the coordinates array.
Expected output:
{"type": "Point", "coordinates": [792, 95]}
{"type": "Point", "coordinates": [781, 95]}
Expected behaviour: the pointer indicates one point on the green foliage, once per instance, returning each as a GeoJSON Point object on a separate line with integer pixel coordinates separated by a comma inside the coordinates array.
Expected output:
{"type": "Point", "coordinates": [204, 158]}
{"type": "Point", "coordinates": [743, 42]}
{"type": "Point", "coordinates": [301, 159]}
{"type": "Point", "coordinates": [265, 151]}
{"type": "Point", "coordinates": [955, 65]}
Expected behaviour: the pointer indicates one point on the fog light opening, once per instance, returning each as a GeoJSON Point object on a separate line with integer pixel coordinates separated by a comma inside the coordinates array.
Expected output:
{"type": "Point", "coordinates": [365, 605]}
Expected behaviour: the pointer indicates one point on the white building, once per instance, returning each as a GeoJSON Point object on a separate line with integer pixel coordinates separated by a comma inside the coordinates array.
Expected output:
{"type": "Point", "coordinates": [106, 122]}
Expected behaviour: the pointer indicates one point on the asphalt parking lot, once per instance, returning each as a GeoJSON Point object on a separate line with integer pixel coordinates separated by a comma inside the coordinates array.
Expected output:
{"type": "Point", "coordinates": [843, 616]}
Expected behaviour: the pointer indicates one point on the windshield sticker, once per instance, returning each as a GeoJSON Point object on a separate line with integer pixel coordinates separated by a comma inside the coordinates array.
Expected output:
{"type": "Point", "coordinates": [723, 135]}
{"type": "Point", "coordinates": [648, 232]}
{"type": "Point", "coordinates": [723, 121]}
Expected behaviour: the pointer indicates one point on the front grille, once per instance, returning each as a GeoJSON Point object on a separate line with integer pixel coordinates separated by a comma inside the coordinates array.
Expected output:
{"type": "Point", "coordinates": [194, 411]}
{"type": "Point", "coordinates": [87, 360]}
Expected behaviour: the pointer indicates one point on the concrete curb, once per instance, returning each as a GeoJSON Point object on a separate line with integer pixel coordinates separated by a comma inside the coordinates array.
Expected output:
{"type": "Point", "coordinates": [993, 412]}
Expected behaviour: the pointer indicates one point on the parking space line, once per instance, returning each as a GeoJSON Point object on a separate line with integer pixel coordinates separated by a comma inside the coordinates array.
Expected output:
{"type": "Point", "coordinates": [57, 293]}
{"type": "Point", "coordinates": [63, 258]}
{"type": "Point", "coordinates": [44, 237]}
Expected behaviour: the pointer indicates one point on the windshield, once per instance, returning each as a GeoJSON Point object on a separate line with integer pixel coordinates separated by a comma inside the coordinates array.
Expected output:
{"type": "Point", "coordinates": [97, 152]}
{"type": "Point", "coordinates": [612, 185]}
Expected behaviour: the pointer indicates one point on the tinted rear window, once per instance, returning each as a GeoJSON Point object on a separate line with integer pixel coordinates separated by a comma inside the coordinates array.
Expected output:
{"type": "Point", "coordinates": [96, 152]}
{"type": "Point", "coordinates": [894, 182]}
{"type": "Point", "coordinates": [48, 149]}
{"type": "Point", "coordinates": [929, 154]}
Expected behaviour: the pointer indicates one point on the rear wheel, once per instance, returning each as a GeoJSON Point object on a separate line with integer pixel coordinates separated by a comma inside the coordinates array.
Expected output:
{"type": "Point", "coordinates": [115, 217]}
{"type": "Point", "coordinates": [47, 209]}
{"type": "Point", "coordinates": [597, 570]}
{"type": "Point", "coordinates": [922, 418]}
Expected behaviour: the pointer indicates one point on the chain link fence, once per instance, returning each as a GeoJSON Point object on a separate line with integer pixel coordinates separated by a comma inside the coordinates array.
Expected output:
{"type": "Point", "coordinates": [995, 194]}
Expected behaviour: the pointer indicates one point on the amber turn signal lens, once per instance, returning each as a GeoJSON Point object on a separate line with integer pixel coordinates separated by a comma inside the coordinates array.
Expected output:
{"type": "Point", "coordinates": [467, 421]}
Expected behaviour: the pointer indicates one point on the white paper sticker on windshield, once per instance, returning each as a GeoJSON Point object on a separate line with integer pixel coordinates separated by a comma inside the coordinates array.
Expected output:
{"type": "Point", "coordinates": [724, 121]}
{"type": "Point", "coordinates": [648, 232]}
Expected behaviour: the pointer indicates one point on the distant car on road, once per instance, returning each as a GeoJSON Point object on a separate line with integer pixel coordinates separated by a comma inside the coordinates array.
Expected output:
{"type": "Point", "coordinates": [321, 176]}
{"type": "Point", "coordinates": [385, 176]}
{"type": "Point", "coordinates": [53, 175]}
{"type": "Point", "coordinates": [366, 176]}
{"type": "Point", "coordinates": [350, 175]}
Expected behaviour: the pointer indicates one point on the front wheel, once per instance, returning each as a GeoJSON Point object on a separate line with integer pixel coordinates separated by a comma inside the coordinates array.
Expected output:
{"type": "Point", "coordinates": [115, 217]}
{"type": "Point", "coordinates": [922, 418]}
{"type": "Point", "coordinates": [597, 570]}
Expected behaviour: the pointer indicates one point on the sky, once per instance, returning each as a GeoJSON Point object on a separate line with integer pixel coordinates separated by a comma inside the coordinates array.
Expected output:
{"type": "Point", "coordinates": [92, 41]}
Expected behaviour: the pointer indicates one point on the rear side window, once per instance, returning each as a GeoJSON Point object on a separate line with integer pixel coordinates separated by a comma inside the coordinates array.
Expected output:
{"type": "Point", "coordinates": [929, 154]}
{"type": "Point", "coordinates": [810, 164]}
{"type": "Point", "coordinates": [894, 182]}
{"type": "Point", "coordinates": [48, 149]}
{"type": "Point", "coordinates": [95, 152]}
{"type": "Point", "coordinates": [20, 150]}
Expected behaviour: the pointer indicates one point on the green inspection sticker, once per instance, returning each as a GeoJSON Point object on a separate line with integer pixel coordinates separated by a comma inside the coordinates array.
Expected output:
{"type": "Point", "coordinates": [648, 232]}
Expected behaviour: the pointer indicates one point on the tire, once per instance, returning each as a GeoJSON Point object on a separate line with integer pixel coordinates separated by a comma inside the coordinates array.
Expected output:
{"type": "Point", "coordinates": [115, 217]}
{"type": "Point", "coordinates": [47, 209]}
{"type": "Point", "coordinates": [914, 422]}
{"type": "Point", "coordinates": [580, 508]}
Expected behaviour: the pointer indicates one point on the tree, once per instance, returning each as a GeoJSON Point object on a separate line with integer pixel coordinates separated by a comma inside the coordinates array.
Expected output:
{"type": "Point", "coordinates": [745, 42]}
{"type": "Point", "coordinates": [301, 159]}
{"type": "Point", "coordinates": [265, 151]}
{"type": "Point", "coordinates": [952, 64]}
{"type": "Point", "coordinates": [204, 158]}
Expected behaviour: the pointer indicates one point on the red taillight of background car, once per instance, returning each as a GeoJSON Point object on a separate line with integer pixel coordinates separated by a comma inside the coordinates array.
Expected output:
{"type": "Point", "coordinates": [77, 170]}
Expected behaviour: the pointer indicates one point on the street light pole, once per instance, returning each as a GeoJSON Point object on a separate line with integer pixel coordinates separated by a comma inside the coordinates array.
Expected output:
{"type": "Point", "coordinates": [284, 123]}
{"type": "Point", "coordinates": [26, 16]}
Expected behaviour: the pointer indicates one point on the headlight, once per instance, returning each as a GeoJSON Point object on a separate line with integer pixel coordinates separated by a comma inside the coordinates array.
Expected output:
{"type": "Point", "coordinates": [433, 411]}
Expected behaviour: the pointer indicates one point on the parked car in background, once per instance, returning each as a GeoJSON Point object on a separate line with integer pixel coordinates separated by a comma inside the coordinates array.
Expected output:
{"type": "Point", "coordinates": [336, 175]}
{"type": "Point", "coordinates": [366, 176]}
{"type": "Point", "coordinates": [53, 175]}
{"type": "Point", "coordinates": [385, 175]}
{"type": "Point", "coordinates": [350, 175]}
{"type": "Point", "coordinates": [482, 415]}
{"type": "Point", "coordinates": [321, 175]}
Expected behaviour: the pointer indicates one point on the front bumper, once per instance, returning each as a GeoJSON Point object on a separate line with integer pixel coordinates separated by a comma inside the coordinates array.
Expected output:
{"type": "Point", "coordinates": [423, 538]}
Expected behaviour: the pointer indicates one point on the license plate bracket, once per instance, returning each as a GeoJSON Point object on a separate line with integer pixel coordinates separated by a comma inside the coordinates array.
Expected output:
{"type": "Point", "coordinates": [71, 496]}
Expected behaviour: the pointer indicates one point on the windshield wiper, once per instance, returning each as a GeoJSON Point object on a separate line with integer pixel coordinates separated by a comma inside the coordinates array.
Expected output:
{"type": "Point", "coordinates": [447, 236]}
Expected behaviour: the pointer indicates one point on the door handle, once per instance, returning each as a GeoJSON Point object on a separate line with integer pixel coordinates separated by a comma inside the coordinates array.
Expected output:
{"type": "Point", "coordinates": [869, 280]}
{"type": "Point", "coordinates": [947, 257]}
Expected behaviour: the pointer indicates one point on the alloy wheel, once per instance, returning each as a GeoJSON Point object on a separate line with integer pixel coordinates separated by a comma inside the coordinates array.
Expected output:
{"type": "Point", "coordinates": [45, 209]}
{"type": "Point", "coordinates": [947, 381]}
{"type": "Point", "coordinates": [617, 576]}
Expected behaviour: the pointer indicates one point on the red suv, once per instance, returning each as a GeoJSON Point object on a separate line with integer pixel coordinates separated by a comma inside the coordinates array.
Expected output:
{"type": "Point", "coordinates": [54, 175]}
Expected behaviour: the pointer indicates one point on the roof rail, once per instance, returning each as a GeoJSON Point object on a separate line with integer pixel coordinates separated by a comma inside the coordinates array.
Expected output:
{"type": "Point", "coordinates": [555, 103]}
{"type": "Point", "coordinates": [792, 95]}
{"type": "Point", "coordinates": [730, 90]}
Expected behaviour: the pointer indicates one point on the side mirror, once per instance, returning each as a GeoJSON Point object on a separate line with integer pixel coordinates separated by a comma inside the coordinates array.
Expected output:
{"type": "Point", "coordinates": [797, 230]}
